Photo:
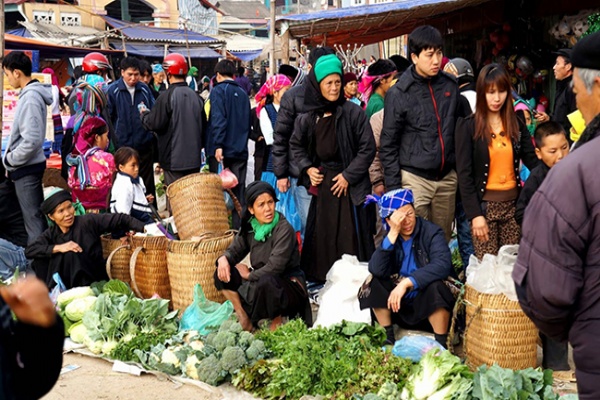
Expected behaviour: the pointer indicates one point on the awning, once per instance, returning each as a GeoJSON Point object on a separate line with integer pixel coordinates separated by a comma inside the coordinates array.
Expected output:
{"type": "Point", "coordinates": [48, 50]}
{"type": "Point", "coordinates": [158, 51]}
{"type": "Point", "coordinates": [65, 35]}
{"type": "Point", "coordinates": [368, 24]}
{"type": "Point", "coordinates": [22, 32]}
{"type": "Point", "coordinates": [142, 33]}
{"type": "Point", "coordinates": [246, 56]}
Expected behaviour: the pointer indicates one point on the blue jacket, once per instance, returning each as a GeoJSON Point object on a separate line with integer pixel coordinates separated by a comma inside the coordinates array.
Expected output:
{"type": "Point", "coordinates": [432, 255]}
{"type": "Point", "coordinates": [126, 116]}
{"type": "Point", "coordinates": [229, 121]}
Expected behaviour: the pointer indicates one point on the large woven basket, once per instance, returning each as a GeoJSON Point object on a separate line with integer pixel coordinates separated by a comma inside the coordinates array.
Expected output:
{"type": "Point", "coordinates": [198, 205]}
{"type": "Point", "coordinates": [498, 331]}
{"type": "Point", "coordinates": [192, 262]}
{"type": "Point", "coordinates": [148, 267]}
{"type": "Point", "coordinates": [117, 258]}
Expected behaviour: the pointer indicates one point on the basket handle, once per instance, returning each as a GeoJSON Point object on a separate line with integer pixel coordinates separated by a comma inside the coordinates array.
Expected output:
{"type": "Point", "coordinates": [236, 202]}
{"type": "Point", "coordinates": [132, 263]}
{"type": "Point", "coordinates": [110, 257]}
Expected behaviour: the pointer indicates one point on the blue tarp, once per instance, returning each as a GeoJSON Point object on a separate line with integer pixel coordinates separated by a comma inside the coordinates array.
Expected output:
{"type": "Point", "coordinates": [143, 33]}
{"type": "Point", "coordinates": [246, 55]}
{"type": "Point", "coordinates": [23, 32]}
{"type": "Point", "coordinates": [154, 50]}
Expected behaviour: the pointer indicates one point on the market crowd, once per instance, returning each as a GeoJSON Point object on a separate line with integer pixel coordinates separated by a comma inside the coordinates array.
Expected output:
{"type": "Point", "coordinates": [386, 162]}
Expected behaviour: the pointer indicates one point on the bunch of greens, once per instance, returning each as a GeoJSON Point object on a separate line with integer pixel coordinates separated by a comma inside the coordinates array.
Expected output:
{"type": "Point", "coordinates": [333, 362]}
{"type": "Point", "coordinates": [500, 383]}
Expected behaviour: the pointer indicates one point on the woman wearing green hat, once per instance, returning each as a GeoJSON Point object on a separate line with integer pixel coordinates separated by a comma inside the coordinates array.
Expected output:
{"type": "Point", "coordinates": [333, 147]}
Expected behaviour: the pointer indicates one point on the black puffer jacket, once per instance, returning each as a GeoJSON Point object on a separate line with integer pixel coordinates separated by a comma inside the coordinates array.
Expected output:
{"type": "Point", "coordinates": [292, 105]}
{"type": "Point", "coordinates": [418, 127]}
{"type": "Point", "coordinates": [564, 103]}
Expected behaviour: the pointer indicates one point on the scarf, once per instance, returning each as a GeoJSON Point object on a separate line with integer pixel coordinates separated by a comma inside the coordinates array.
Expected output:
{"type": "Point", "coordinates": [314, 100]}
{"type": "Point", "coordinates": [390, 202]}
{"type": "Point", "coordinates": [272, 85]}
{"type": "Point", "coordinates": [365, 86]}
{"type": "Point", "coordinates": [262, 231]}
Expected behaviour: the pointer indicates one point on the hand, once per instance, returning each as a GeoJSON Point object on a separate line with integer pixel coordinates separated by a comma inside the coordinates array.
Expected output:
{"type": "Point", "coordinates": [223, 270]}
{"type": "Point", "coordinates": [150, 198]}
{"type": "Point", "coordinates": [480, 229]}
{"type": "Point", "coordinates": [341, 185]}
{"type": "Point", "coordinates": [396, 296]}
{"type": "Point", "coordinates": [29, 300]}
{"type": "Point", "coordinates": [67, 247]}
{"type": "Point", "coordinates": [542, 117]}
{"type": "Point", "coordinates": [260, 138]}
{"type": "Point", "coordinates": [142, 108]}
{"type": "Point", "coordinates": [395, 220]}
{"type": "Point", "coordinates": [219, 155]}
{"type": "Point", "coordinates": [379, 190]}
{"type": "Point", "coordinates": [283, 184]}
{"type": "Point", "coordinates": [316, 177]}
{"type": "Point", "coordinates": [243, 270]}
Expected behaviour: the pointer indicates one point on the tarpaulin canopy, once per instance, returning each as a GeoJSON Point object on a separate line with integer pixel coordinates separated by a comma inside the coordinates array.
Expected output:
{"type": "Point", "coordinates": [367, 24]}
{"type": "Point", "coordinates": [142, 33]}
{"type": "Point", "coordinates": [155, 50]}
{"type": "Point", "coordinates": [48, 50]}
{"type": "Point", "coordinates": [246, 56]}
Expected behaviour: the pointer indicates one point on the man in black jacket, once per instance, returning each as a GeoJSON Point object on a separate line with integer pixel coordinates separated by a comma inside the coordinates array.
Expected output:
{"type": "Point", "coordinates": [564, 102]}
{"type": "Point", "coordinates": [417, 139]}
{"type": "Point", "coordinates": [179, 121]}
{"type": "Point", "coordinates": [292, 105]}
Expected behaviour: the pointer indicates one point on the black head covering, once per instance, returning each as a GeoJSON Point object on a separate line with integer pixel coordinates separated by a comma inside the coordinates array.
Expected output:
{"type": "Point", "coordinates": [254, 190]}
{"type": "Point", "coordinates": [586, 53]}
{"type": "Point", "coordinates": [50, 204]}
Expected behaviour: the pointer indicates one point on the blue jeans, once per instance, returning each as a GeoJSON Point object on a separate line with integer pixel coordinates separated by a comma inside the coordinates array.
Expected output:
{"type": "Point", "coordinates": [302, 200]}
{"type": "Point", "coordinates": [463, 234]}
{"type": "Point", "coordinates": [31, 195]}
{"type": "Point", "coordinates": [11, 257]}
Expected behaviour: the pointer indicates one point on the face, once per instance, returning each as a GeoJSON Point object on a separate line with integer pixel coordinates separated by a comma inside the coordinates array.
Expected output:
{"type": "Point", "coordinates": [554, 149]}
{"type": "Point", "coordinates": [410, 220]}
{"type": "Point", "coordinates": [386, 83]}
{"type": "Point", "coordinates": [331, 86]}
{"type": "Point", "coordinates": [131, 167]}
{"type": "Point", "coordinates": [495, 98]}
{"type": "Point", "coordinates": [527, 115]}
{"type": "Point", "coordinates": [351, 89]}
{"type": "Point", "coordinates": [101, 140]}
{"type": "Point", "coordinates": [13, 77]}
{"type": "Point", "coordinates": [279, 94]}
{"type": "Point", "coordinates": [146, 78]}
{"type": "Point", "coordinates": [427, 64]}
{"type": "Point", "coordinates": [159, 78]}
{"type": "Point", "coordinates": [263, 208]}
{"type": "Point", "coordinates": [587, 102]}
{"type": "Point", "coordinates": [63, 215]}
{"type": "Point", "coordinates": [561, 69]}
{"type": "Point", "coordinates": [131, 76]}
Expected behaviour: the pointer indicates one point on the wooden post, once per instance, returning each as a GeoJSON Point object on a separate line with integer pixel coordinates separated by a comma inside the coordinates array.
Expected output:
{"type": "Point", "coordinates": [285, 47]}
{"type": "Point", "coordinates": [272, 67]}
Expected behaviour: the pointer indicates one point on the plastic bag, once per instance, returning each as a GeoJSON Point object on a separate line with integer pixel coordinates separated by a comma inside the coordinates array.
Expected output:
{"type": "Point", "coordinates": [414, 347]}
{"type": "Point", "coordinates": [204, 314]}
{"type": "Point", "coordinates": [229, 179]}
{"type": "Point", "coordinates": [505, 263]}
{"type": "Point", "coordinates": [493, 275]}
{"type": "Point", "coordinates": [287, 206]}
{"type": "Point", "coordinates": [58, 289]}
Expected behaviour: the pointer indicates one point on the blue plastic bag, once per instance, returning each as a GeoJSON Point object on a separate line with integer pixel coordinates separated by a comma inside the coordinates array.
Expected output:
{"type": "Point", "coordinates": [414, 347]}
{"type": "Point", "coordinates": [204, 315]}
{"type": "Point", "coordinates": [58, 289]}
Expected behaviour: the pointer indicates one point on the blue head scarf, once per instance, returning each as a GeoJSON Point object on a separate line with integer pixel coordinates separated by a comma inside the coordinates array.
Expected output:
{"type": "Point", "coordinates": [390, 202]}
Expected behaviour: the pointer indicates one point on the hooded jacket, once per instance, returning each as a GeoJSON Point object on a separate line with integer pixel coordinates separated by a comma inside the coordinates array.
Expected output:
{"type": "Point", "coordinates": [418, 127]}
{"type": "Point", "coordinates": [28, 131]}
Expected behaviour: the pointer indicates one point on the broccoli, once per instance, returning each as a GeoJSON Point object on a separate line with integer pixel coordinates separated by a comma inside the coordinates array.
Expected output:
{"type": "Point", "coordinates": [223, 340]}
{"type": "Point", "coordinates": [389, 391]}
{"type": "Point", "coordinates": [245, 339]}
{"type": "Point", "coordinates": [256, 350]}
{"type": "Point", "coordinates": [210, 371]}
{"type": "Point", "coordinates": [371, 396]}
{"type": "Point", "coordinates": [209, 339]}
{"type": "Point", "coordinates": [226, 325]}
{"type": "Point", "coordinates": [233, 359]}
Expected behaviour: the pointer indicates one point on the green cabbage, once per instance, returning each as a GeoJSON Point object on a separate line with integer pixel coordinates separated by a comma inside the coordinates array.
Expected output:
{"type": "Point", "coordinates": [75, 309]}
{"type": "Point", "coordinates": [68, 296]}
{"type": "Point", "coordinates": [78, 332]}
{"type": "Point", "coordinates": [115, 286]}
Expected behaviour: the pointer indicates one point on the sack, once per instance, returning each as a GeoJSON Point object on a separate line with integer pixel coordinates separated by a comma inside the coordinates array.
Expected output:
{"type": "Point", "coordinates": [204, 315]}
{"type": "Point", "coordinates": [414, 347]}
{"type": "Point", "coordinates": [229, 179]}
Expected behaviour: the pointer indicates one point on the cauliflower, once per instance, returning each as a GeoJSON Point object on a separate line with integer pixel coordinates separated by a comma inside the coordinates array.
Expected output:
{"type": "Point", "coordinates": [94, 346]}
{"type": "Point", "coordinates": [75, 309]}
{"type": "Point", "coordinates": [109, 346]}
{"type": "Point", "coordinates": [78, 332]}
{"type": "Point", "coordinates": [233, 359]}
{"type": "Point", "coordinates": [210, 371]}
{"type": "Point", "coordinates": [190, 367]}
{"type": "Point", "coordinates": [245, 339]}
{"type": "Point", "coordinates": [223, 340]}
{"type": "Point", "coordinates": [256, 350]}
{"type": "Point", "coordinates": [68, 296]}
{"type": "Point", "coordinates": [389, 391]}
{"type": "Point", "coordinates": [197, 345]}
{"type": "Point", "coordinates": [169, 357]}
{"type": "Point", "coordinates": [190, 336]}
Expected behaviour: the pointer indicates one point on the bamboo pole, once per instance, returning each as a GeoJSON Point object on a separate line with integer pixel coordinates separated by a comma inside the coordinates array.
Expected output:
{"type": "Point", "coordinates": [272, 68]}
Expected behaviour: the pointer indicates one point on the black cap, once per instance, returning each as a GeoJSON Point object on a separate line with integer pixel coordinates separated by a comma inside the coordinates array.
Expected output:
{"type": "Point", "coordinates": [567, 53]}
{"type": "Point", "coordinates": [586, 53]}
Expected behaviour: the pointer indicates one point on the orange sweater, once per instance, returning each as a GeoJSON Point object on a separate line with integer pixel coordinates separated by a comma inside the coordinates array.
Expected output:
{"type": "Point", "coordinates": [502, 174]}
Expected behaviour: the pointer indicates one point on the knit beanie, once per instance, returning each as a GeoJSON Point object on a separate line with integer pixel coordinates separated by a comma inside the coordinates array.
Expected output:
{"type": "Point", "coordinates": [327, 65]}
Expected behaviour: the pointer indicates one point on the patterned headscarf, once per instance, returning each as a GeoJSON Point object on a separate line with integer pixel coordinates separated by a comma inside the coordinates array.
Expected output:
{"type": "Point", "coordinates": [272, 85]}
{"type": "Point", "coordinates": [84, 147]}
{"type": "Point", "coordinates": [365, 86]}
{"type": "Point", "coordinates": [51, 72]}
{"type": "Point", "coordinates": [390, 202]}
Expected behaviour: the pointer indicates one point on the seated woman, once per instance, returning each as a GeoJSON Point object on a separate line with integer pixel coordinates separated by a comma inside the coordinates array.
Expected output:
{"type": "Point", "coordinates": [72, 245]}
{"type": "Point", "coordinates": [274, 287]}
{"type": "Point", "coordinates": [408, 269]}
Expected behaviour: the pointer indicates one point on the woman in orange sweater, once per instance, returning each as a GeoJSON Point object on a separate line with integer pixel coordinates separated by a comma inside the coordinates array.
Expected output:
{"type": "Point", "coordinates": [489, 147]}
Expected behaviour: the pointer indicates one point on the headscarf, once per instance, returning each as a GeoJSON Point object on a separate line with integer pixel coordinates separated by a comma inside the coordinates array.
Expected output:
{"type": "Point", "coordinates": [524, 105]}
{"type": "Point", "coordinates": [193, 71]}
{"type": "Point", "coordinates": [91, 100]}
{"type": "Point", "coordinates": [390, 202]}
{"type": "Point", "coordinates": [313, 99]}
{"type": "Point", "coordinates": [327, 65]}
{"type": "Point", "coordinates": [205, 79]}
{"type": "Point", "coordinates": [54, 200]}
{"type": "Point", "coordinates": [51, 72]}
{"type": "Point", "coordinates": [377, 71]}
{"type": "Point", "coordinates": [254, 190]}
{"type": "Point", "coordinates": [157, 69]}
{"type": "Point", "coordinates": [274, 84]}
{"type": "Point", "coordinates": [84, 147]}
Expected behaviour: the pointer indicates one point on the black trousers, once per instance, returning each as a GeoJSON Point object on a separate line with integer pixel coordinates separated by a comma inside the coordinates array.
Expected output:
{"type": "Point", "coordinates": [238, 167]}
{"type": "Point", "coordinates": [147, 171]}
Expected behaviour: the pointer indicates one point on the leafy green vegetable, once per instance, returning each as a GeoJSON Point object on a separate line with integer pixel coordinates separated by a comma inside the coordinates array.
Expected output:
{"type": "Point", "coordinates": [78, 332]}
{"type": "Point", "coordinates": [68, 296]}
{"type": "Point", "coordinates": [74, 310]}
{"type": "Point", "coordinates": [496, 382]}
{"type": "Point", "coordinates": [115, 286]}
{"type": "Point", "coordinates": [125, 350]}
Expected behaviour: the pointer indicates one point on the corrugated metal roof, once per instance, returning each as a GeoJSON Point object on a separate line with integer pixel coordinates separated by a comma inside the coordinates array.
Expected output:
{"type": "Point", "coordinates": [244, 9]}
{"type": "Point", "coordinates": [65, 35]}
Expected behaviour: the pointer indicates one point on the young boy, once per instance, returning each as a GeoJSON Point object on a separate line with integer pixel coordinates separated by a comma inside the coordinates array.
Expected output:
{"type": "Point", "coordinates": [551, 146]}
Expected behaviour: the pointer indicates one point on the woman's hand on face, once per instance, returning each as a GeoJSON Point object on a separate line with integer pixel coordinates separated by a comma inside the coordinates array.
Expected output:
{"type": "Point", "coordinates": [243, 270]}
{"type": "Point", "coordinates": [341, 185]}
{"type": "Point", "coordinates": [224, 270]}
{"type": "Point", "coordinates": [67, 247]}
{"type": "Point", "coordinates": [480, 229]}
{"type": "Point", "coordinates": [395, 220]}
{"type": "Point", "coordinates": [316, 177]}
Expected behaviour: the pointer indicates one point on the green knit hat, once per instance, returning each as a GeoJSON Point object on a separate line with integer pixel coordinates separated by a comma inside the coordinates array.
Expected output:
{"type": "Point", "coordinates": [327, 65]}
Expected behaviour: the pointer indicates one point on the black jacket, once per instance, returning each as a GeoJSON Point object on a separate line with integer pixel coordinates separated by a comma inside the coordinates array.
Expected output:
{"type": "Point", "coordinates": [179, 121]}
{"type": "Point", "coordinates": [431, 252]}
{"type": "Point", "coordinates": [418, 127]}
{"type": "Point", "coordinates": [531, 185]}
{"type": "Point", "coordinates": [292, 105]}
{"type": "Point", "coordinates": [473, 163]}
{"type": "Point", "coordinates": [564, 103]}
{"type": "Point", "coordinates": [355, 142]}
{"type": "Point", "coordinates": [30, 357]}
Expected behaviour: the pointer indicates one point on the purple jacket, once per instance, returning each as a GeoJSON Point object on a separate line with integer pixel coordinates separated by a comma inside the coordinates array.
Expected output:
{"type": "Point", "coordinates": [558, 268]}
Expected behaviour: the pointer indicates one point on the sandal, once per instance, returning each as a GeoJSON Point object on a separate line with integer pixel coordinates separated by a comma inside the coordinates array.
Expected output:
{"type": "Point", "coordinates": [564, 376]}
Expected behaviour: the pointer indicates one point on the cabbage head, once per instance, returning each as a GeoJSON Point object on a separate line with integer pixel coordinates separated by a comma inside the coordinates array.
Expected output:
{"type": "Point", "coordinates": [68, 296]}
{"type": "Point", "coordinates": [75, 309]}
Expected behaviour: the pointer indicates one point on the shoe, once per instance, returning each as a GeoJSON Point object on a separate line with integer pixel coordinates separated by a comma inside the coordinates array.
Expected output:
{"type": "Point", "coordinates": [564, 376]}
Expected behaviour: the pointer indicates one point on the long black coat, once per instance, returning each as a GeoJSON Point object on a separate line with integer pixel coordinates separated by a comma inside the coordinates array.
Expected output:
{"type": "Point", "coordinates": [292, 105]}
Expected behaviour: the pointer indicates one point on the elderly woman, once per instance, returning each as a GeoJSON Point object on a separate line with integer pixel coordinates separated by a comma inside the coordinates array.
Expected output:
{"type": "Point", "coordinates": [72, 245]}
{"type": "Point", "coordinates": [274, 285]}
{"type": "Point", "coordinates": [333, 147]}
{"type": "Point", "coordinates": [407, 271]}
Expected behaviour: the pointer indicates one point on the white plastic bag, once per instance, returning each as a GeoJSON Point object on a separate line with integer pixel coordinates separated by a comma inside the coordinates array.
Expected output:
{"type": "Point", "coordinates": [493, 275]}
{"type": "Point", "coordinates": [339, 297]}
{"type": "Point", "coordinates": [505, 262]}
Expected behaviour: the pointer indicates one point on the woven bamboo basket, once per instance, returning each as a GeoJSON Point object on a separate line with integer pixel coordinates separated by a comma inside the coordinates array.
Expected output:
{"type": "Point", "coordinates": [192, 262]}
{"type": "Point", "coordinates": [198, 205]}
{"type": "Point", "coordinates": [498, 331]}
{"type": "Point", "coordinates": [148, 267]}
{"type": "Point", "coordinates": [117, 258]}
